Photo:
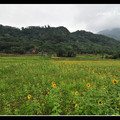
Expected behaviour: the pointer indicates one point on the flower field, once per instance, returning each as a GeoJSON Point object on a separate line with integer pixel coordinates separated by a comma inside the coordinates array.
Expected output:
{"type": "Point", "coordinates": [39, 85]}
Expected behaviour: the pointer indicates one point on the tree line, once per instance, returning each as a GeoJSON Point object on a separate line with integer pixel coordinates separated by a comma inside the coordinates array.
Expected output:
{"type": "Point", "coordinates": [54, 40]}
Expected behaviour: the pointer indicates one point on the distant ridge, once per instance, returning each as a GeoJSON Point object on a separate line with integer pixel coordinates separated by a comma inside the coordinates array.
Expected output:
{"type": "Point", "coordinates": [113, 33]}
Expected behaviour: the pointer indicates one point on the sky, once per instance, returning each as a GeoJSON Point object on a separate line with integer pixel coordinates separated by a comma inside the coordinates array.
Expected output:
{"type": "Point", "coordinates": [88, 17]}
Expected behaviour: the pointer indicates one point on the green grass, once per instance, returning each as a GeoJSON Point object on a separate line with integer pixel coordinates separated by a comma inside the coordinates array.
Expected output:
{"type": "Point", "coordinates": [33, 75]}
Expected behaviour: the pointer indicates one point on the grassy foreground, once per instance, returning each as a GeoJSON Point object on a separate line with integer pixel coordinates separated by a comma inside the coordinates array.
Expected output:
{"type": "Point", "coordinates": [38, 85]}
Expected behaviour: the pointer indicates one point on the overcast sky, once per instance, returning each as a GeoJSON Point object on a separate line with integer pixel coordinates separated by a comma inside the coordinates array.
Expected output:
{"type": "Point", "coordinates": [89, 17]}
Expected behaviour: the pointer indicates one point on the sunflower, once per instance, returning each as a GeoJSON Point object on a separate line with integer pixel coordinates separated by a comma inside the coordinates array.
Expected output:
{"type": "Point", "coordinates": [42, 76]}
{"type": "Point", "coordinates": [75, 105]}
{"type": "Point", "coordinates": [114, 76]}
{"type": "Point", "coordinates": [29, 96]}
{"type": "Point", "coordinates": [108, 73]}
{"type": "Point", "coordinates": [37, 83]}
{"type": "Point", "coordinates": [54, 85]}
{"type": "Point", "coordinates": [115, 82]}
{"type": "Point", "coordinates": [88, 84]}
{"type": "Point", "coordinates": [76, 92]}
{"type": "Point", "coordinates": [100, 102]}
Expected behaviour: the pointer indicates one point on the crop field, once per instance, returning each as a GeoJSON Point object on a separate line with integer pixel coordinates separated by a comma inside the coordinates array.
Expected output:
{"type": "Point", "coordinates": [40, 85]}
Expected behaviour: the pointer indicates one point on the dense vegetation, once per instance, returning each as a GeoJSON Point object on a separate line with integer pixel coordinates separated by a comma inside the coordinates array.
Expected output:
{"type": "Point", "coordinates": [54, 40]}
{"type": "Point", "coordinates": [39, 85]}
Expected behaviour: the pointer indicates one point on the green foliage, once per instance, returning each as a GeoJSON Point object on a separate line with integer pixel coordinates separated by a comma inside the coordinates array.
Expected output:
{"type": "Point", "coordinates": [36, 75]}
{"type": "Point", "coordinates": [52, 40]}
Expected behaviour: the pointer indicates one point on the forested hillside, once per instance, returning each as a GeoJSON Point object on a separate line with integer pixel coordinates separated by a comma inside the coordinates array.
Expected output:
{"type": "Point", "coordinates": [46, 39]}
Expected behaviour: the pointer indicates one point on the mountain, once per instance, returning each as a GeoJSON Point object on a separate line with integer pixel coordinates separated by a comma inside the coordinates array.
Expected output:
{"type": "Point", "coordinates": [36, 39]}
{"type": "Point", "coordinates": [113, 33]}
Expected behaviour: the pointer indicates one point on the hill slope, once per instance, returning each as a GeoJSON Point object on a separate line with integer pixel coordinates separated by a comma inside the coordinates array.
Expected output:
{"type": "Point", "coordinates": [53, 40]}
{"type": "Point", "coordinates": [113, 33]}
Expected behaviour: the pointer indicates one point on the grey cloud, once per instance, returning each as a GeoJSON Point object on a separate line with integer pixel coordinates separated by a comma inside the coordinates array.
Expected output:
{"type": "Point", "coordinates": [98, 17]}
{"type": "Point", "coordinates": [90, 17]}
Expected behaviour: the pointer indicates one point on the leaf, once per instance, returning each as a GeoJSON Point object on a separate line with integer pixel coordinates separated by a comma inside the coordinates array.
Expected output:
{"type": "Point", "coordinates": [54, 109]}
{"type": "Point", "coordinates": [55, 114]}
{"type": "Point", "coordinates": [59, 110]}
{"type": "Point", "coordinates": [116, 106]}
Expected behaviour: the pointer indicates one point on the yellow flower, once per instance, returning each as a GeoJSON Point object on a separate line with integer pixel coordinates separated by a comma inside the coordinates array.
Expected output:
{"type": "Point", "coordinates": [37, 83]}
{"type": "Point", "coordinates": [29, 96]}
{"type": "Point", "coordinates": [88, 84]}
{"type": "Point", "coordinates": [54, 85]}
{"type": "Point", "coordinates": [48, 92]}
{"type": "Point", "coordinates": [99, 102]}
{"type": "Point", "coordinates": [76, 92]}
{"type": "Point", "coordinates": [42, 76]}
{"type": "Point", "coordinates": [108, 73]}
{"type": "Point", "coordinates": [115, 81]}
{"type": "Point", "coordinates": [75, 105]}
